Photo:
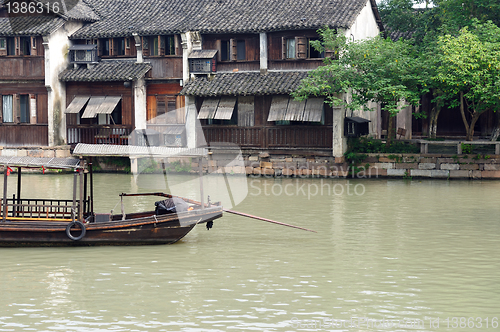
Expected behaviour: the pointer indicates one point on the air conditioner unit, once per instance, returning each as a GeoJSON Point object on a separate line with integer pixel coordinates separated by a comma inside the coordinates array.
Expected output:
{"type": "Point", "coordinates": [82, 55]}
{"type": "Point", "coordinates": [174, 140]}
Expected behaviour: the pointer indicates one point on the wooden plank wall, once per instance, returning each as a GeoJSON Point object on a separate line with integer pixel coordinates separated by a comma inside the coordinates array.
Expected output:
{"type": "Point", "coordinates": [26, 67]}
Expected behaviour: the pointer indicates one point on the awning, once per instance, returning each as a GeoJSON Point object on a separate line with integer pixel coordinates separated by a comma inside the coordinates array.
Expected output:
{"type": "Point", "coordinates": [279, 105]}
{"type": "Point", "coordinates": [100, 105]}
{"type": "Point", "coordinates": [314, 110]}
{"type": "Point", "coordinates": [225, 108]}
{"type": "Point", "coordinates": [284, 108]}
{"type": "Point", "coordinates": [295, 110]}
{"type": "Point", "coordinates": [77, 104]}
{"type": "Point", "coordinates": [208, 108]}
{"type": "Point", "coordinates": [136, 151]}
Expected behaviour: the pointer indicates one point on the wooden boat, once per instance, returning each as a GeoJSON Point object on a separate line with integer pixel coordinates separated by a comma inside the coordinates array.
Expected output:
{"type": "Point", "coordinates": [72, 222]}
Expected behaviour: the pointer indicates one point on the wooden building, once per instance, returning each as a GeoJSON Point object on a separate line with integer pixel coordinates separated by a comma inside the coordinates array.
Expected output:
{"type": "Point", "coordinates": [146, 64]}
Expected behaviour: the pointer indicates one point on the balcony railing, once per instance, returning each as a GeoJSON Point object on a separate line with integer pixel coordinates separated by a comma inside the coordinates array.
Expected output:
{"type": "Point", "coordinates": [112, 134]}
{"type": "Point", "coordinates": [271, 137]}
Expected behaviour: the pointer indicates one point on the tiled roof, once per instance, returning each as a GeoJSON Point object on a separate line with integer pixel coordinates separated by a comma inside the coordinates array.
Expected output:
{"type": "Point", "coordinates": [29, 26]}
{"type": "Point", "coordinates": [44, 25]}
{"type": "Point", "coordinates": [243, 84]}
{"type": "Point", "coordinates": [81, 11]}
{"type": "Point", "coordinates": [108, 70]}
{"type": "Point", "coordinates": [150, 17]}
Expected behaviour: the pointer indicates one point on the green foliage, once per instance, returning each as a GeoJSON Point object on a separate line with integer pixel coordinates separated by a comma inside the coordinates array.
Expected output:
{"type": "Point", "coordinates": [370, 145]}
{"type": "Point", "coordinates": [355, 158]}
{"type": "Point", "coordinates": [466, 148]}
{"type": "Point", "coordinates": [470, 64]}
{"type": "Point", "coordinates": [179, 166]}
{"type": "Point", "coordinates": [371, 70]}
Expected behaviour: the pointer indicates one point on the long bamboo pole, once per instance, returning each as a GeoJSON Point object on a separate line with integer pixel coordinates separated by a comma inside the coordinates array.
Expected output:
{"type": "Point", "coordinates": [225, 210]}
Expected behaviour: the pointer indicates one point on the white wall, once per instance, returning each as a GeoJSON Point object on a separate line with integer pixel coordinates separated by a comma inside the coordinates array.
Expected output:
{"type": "Point", "coordinates": [56, 60]}
{"type": "Point", "coordinates": [365, 25]}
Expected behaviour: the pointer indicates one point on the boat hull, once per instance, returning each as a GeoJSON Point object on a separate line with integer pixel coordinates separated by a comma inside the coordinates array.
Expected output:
{"type": "Point", "coordinates": [135, 229]}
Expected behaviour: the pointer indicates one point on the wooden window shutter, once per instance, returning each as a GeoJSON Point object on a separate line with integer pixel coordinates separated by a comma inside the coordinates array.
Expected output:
{"type": "Point", "coordinates": [301, 47]}
{"type": "Point", "coordinates": [18, 45]}
{"type": "Point", "coordinates": [16, 108]}
{"type": "Point", "coordinates": [32, 108]}
{"type": "Point", "coordinates": [218, 48]}
{"type": "Point", "coordinates": [33, 46]}
{"type": "Point", "coordinates": [233, 44]}
{"type": "Point", "coordinates": [161, 40]}
{"type": "Point", "coordinates": [113, 47]}
{"type": "Point", "coordinates": [283, 48]}
{"type": "Point", "coordinates": [178, 47]}
{"type": "Point", "coordinates": [151, 108]}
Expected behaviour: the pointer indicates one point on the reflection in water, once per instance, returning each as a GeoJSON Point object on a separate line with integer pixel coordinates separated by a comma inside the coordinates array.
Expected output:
{"type": "Point", "coordinates": [403, 250]}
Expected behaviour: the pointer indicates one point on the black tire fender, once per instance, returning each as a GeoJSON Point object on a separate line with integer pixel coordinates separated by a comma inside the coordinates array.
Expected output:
{"type": "Point", "coordinates": [79, 224]}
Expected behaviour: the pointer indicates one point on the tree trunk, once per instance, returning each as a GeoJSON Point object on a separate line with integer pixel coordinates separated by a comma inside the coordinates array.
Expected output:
{"type": "Point", "coordinates": [496, 131]}
{"type": "Point", "coordinates": [390, 130]}
{"type": "Point", "coordinates": [433, 117]}
{"type": "Point", "coordinates": [464, 118]}
{"type": "Point", "coordinates": [470, 132]}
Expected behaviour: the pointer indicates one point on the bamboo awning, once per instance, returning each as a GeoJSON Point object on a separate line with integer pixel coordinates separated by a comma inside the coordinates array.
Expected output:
{"type": "Point", "coordinates": [100, 105]}
{"type": "Point", "coordinates": [77, 104]}
{"type": "Point", "coordinates": [225, 108]}
{"type": "Point", "coordinates": [277, 112]}
{"type": "Point", "coordinates": [284, 108]}
{"type": "Point", "coordinates": [96, 150]}
{"type": "Point", "coordinates": [208, 108]}
{"type": "Point", "coordinates": [314, 110]}
{"type": "Point", "coordinates": [59, 163]}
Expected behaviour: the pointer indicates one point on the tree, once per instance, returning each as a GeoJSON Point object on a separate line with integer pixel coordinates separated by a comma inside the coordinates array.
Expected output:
{"type": "Point", "coordinates": [375, 69]}
{"type": "Point", "coordinates": [424, 26]}
{"type": "Point", "coordinates": [469, 67]}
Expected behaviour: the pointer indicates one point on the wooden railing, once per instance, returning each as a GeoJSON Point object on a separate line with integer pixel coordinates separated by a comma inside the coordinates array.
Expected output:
{"type": "Point", "coordinates": [24, 134]}
{"type": "Point", "coordinates": [242, 136]}
{"type": "Point", "coordinates": [300, 137]}
{"type": "Point", "coordinates": [165, 67]}
{"type": "Point", "coordinates": [271, 137]}
{"type": "Point", "coordinates": [25, 67]}
{"type": "Point", "coordinates": [113, 134]}
{"type": "Point", "coordinates": [42, 208]}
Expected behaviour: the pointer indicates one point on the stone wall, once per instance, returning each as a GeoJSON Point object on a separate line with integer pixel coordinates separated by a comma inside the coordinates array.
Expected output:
{"type": "Point", "coordinates": [378, 166]}
{"type": "Point", "coordinates": [38, 152]}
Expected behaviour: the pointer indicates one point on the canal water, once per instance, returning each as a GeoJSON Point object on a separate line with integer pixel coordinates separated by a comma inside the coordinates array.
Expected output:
{"type": "Point", "coordinates": [388, 255]}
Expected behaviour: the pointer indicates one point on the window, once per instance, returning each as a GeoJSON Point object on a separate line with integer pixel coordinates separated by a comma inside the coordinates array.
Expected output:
{"type": "Point", "coordinates": [25, 45]}
{"type": "Point", "coordinates": [119, 46]}
{"type": "Point", "coordinates": [154, 46]}
{"type": "Point", "coordinates": [3, 44]}
{"type": "Point", "coordinates": [24, 108]}
{"type": "Point", "coordinates": [7, 108]}
{"type": "Point", "coordinates": [127, 43]}
{"type": "Point", "coordinates": [11, 46]}
{"type": "Point", "coordinates": [313, 53]}
{"type": "Point", "coordinates": [224, 50]}
{"type": "Point", "coordinates": [290, 48]}
{"type": "Point", "coordinates": [169, 45]}
{"type": "Point", "coordinates": [104, 46]}
{"type": "Point", "coordinates": [241, 50]}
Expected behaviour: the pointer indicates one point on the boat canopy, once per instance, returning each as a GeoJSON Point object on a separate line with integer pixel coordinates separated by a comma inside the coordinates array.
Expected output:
{"type": "Point", "coordinates": [95, 150]}
{"type": "Point", "coordinates": [33, 162]}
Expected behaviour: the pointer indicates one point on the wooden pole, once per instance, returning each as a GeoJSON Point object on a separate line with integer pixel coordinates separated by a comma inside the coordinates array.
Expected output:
{"type": "Point", "coordinates": [200, 172]}
{"type": "Point", "coordinates": [18, 190]}
{"type": "Point", "coordinates": [91, 188]}
{"type": "Point", "coordinates": [74, 198]}
{"type": "Point", "coordinates": [5, 167]}
{"type": "Point", "coordinates": [80, 208]}
{"type": "Point", "coordinates": [225, 210]}
{"type": "Point", "coordinates": [267, 220]}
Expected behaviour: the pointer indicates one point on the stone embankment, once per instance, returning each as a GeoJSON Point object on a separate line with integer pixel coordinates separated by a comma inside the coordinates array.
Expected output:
{"type": "Point", "coordinates": [378, 166]}
{"type": "Point", "coordinates": [38, 152]}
